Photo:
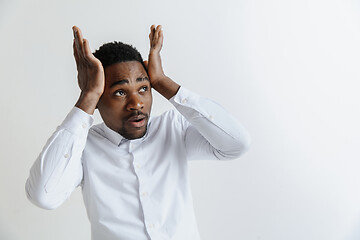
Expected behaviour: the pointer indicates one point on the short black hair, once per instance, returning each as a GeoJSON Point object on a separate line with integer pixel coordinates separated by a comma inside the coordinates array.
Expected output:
{"type": "Point", "coordinates": [116, 52]}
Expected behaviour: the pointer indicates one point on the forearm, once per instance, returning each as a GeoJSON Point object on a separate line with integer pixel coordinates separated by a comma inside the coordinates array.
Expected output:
{"type": "Point", "coordinates": [58, 169]}
{"type": "Point", "coordinates": [218, 141]}
{"type": "Point", "coordinates": [227, 137]}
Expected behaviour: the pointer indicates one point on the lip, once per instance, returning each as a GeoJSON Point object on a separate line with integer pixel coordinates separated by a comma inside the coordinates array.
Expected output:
{"type": "Point", "coordinates": [137, 121]}
{"type": "Point", "coordinates": [136, 118]}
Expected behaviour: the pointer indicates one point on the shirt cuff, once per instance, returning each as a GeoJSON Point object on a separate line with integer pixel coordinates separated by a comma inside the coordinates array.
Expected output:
{"type": "Point", "coordinates": [184, 97]}
{"type": "Point", "coordinates": [193, 107]}
{"type": "Point", "coordinates": [77, 122]}
{"type": "Point", "coordinates": [186, 102]}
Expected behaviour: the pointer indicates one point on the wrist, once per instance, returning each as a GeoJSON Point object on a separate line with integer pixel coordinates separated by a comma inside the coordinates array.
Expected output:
{"type": "Point", "coordinates": [88, 102]}
{"type": "Point", "coordinates": [158, 81]}
{"type": "Point", "coordinates": [166, 87]}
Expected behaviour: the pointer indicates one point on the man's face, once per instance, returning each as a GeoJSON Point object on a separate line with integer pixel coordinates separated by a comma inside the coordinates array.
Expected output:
{"type": "Point", "coordinates": [126, 102]}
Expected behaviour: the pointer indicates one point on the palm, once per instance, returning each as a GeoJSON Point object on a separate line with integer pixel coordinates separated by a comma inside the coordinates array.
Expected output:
{"type": "Point", "coordinates": [90, 70]}
{"type": "Point", "coordinates": [154, 67]}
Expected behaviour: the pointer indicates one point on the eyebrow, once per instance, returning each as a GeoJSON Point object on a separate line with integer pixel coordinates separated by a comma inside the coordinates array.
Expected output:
{"type": "Point", "coordinates": [124, 81]}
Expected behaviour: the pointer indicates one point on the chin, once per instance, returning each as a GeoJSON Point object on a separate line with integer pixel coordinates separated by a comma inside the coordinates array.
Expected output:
{"type": "Point", "coordinates": [134, 135]}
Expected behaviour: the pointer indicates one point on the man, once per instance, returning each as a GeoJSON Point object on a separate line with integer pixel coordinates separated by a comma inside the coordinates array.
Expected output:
{"type": "Point", "coordinates": [132, 168]}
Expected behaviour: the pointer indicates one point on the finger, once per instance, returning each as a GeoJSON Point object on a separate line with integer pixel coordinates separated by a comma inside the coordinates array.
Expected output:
{"type": "Point", "coordinates": [88, 54]}
{"type": "Point", "coordinates": [77, 45]}
{"type": "Point", "coordinates": [146, 64]}
{"type": "Point", "coordinates": [83, 47]}
{"type": "Point", "coordinates": [152, 30]}
{"type": "Point", "coordinates": [161, 38]}
{"type": "Point", "coordinates": [76, 56]}
{"type": "Point", "coordinates": [157, 43]}
{"type": "Point", "coordinates": [78, 41]}
{"type": "Point", "coordinates": [151, 35]}
{"type": "Point", "coordinates": [158, 28]}
{"type": "Point", "coordinates": [160, 34]}
{"type": "Point", "coordinates": [78, 33]}
{"type": "Point", "coordinates": [156, 33]}
{"type": "Point", "coordinates": [87, 50]}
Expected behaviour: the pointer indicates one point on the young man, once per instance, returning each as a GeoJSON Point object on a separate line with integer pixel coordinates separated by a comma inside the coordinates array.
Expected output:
{"type": "Point", "coordinates": [132, 168]}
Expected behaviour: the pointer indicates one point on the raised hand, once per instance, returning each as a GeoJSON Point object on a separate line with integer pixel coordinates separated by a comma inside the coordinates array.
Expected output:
{"type": "Point", "coordinates": [154, 65]}
{"type": "Point", "coordinates": [159, 81]}
{"type": "Point", "coordinates": [91, 77]}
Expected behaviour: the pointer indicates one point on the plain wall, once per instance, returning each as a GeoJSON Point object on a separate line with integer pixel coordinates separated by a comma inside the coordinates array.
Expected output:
{"type": "Point", "coordinates": [287, 69]}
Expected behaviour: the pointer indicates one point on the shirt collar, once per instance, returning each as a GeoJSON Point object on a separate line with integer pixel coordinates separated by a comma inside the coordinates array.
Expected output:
{"type": "Point", "coordinates": [116, 138]}
{"type": "Point", "coordinates": [113, 136]}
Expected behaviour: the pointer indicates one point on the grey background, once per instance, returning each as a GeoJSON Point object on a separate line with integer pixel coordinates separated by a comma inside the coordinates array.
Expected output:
{"type": "Point", "coordinates": [287, 69]}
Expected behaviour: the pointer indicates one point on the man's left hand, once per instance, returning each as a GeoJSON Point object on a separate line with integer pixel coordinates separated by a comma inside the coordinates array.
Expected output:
{"type": "Point", "coordinates": [159, 81]}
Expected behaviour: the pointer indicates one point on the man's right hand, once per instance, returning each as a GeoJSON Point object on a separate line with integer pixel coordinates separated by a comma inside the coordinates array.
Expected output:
{"type": "Point", "coordinates": [91, 78]}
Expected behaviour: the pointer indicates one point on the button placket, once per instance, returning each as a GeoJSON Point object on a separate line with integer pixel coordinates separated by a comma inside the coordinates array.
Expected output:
{"type": "Point", "coordinates": [143, 189]}
{"type": "Point", "coordinates": [138, 169]}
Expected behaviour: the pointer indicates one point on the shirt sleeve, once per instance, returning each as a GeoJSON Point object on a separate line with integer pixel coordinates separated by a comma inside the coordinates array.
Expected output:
{"type": "Point", "coordinates": [58, 169]}
{"type": "Point", "coordinates": [211, 132]}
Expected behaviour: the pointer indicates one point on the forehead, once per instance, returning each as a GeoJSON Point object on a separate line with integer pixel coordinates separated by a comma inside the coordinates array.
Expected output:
{"type": "Point", "coordinates": [124, 71]}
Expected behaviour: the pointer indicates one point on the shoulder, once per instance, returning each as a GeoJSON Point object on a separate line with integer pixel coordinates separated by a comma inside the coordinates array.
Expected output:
{"type": "Point", "coordinates": [168, 120]}
{"type": "Point", "coordinates": [169, 117]}
{"type": "Point", "coordinates": [97, 131]}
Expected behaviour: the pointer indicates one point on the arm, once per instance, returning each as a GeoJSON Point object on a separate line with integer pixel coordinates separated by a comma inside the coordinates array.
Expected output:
{"type": "Point", "coordinates": [58, 169]}
{"type": "Point", "coordinates": [159, 81]}
{"type": "Point", "coordinates": [212, 132]}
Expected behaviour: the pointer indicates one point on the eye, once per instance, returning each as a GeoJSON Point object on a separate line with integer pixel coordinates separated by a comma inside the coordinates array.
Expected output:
{"type": "Point", "coordinates": [119, 93]}
{"type": "Point", "coordinates": [143, 89]}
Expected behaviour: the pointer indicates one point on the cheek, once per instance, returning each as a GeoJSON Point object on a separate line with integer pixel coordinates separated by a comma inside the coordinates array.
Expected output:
{"type": "Point", "coordinates": [110, 106]}
{"type": "Point", "coordinates": [148, 100]}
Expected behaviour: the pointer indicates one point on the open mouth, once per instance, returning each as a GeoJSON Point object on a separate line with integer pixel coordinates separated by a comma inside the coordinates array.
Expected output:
{"type": "Point", "coordinates": [137, 121]}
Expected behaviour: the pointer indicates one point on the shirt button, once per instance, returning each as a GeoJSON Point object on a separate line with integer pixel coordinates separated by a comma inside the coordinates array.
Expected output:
{"type": "Point", "coordinates": [211, 117]}
{"type": "Point", "coordinates": [184, 100]}
{"type": "Point", "coordinates": [145, 194]}
{"type": "Point", "coordinates": [137, 165]}
{"type": "Point", "coordinates": [66, 155]}
{"type": "Point", "coordinates": [84, 125]}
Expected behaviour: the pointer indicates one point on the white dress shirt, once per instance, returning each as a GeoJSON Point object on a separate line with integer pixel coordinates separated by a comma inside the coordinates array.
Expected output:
{"type": "Point", "coordinates": [136, 189]}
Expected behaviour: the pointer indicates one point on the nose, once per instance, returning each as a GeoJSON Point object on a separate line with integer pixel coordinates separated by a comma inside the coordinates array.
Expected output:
{"type": "Point", "coordinates": [134, 103]}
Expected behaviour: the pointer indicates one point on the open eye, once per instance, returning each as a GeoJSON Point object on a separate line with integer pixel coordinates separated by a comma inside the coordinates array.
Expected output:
{"type": "Point", "coordinates": [119, 93]}
{"type": "Point", "coordinates": [143, 89]}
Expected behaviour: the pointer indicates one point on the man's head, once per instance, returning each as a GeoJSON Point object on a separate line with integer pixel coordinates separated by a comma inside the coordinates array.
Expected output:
{"type": "Point", "coordinates": [126, 102]}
